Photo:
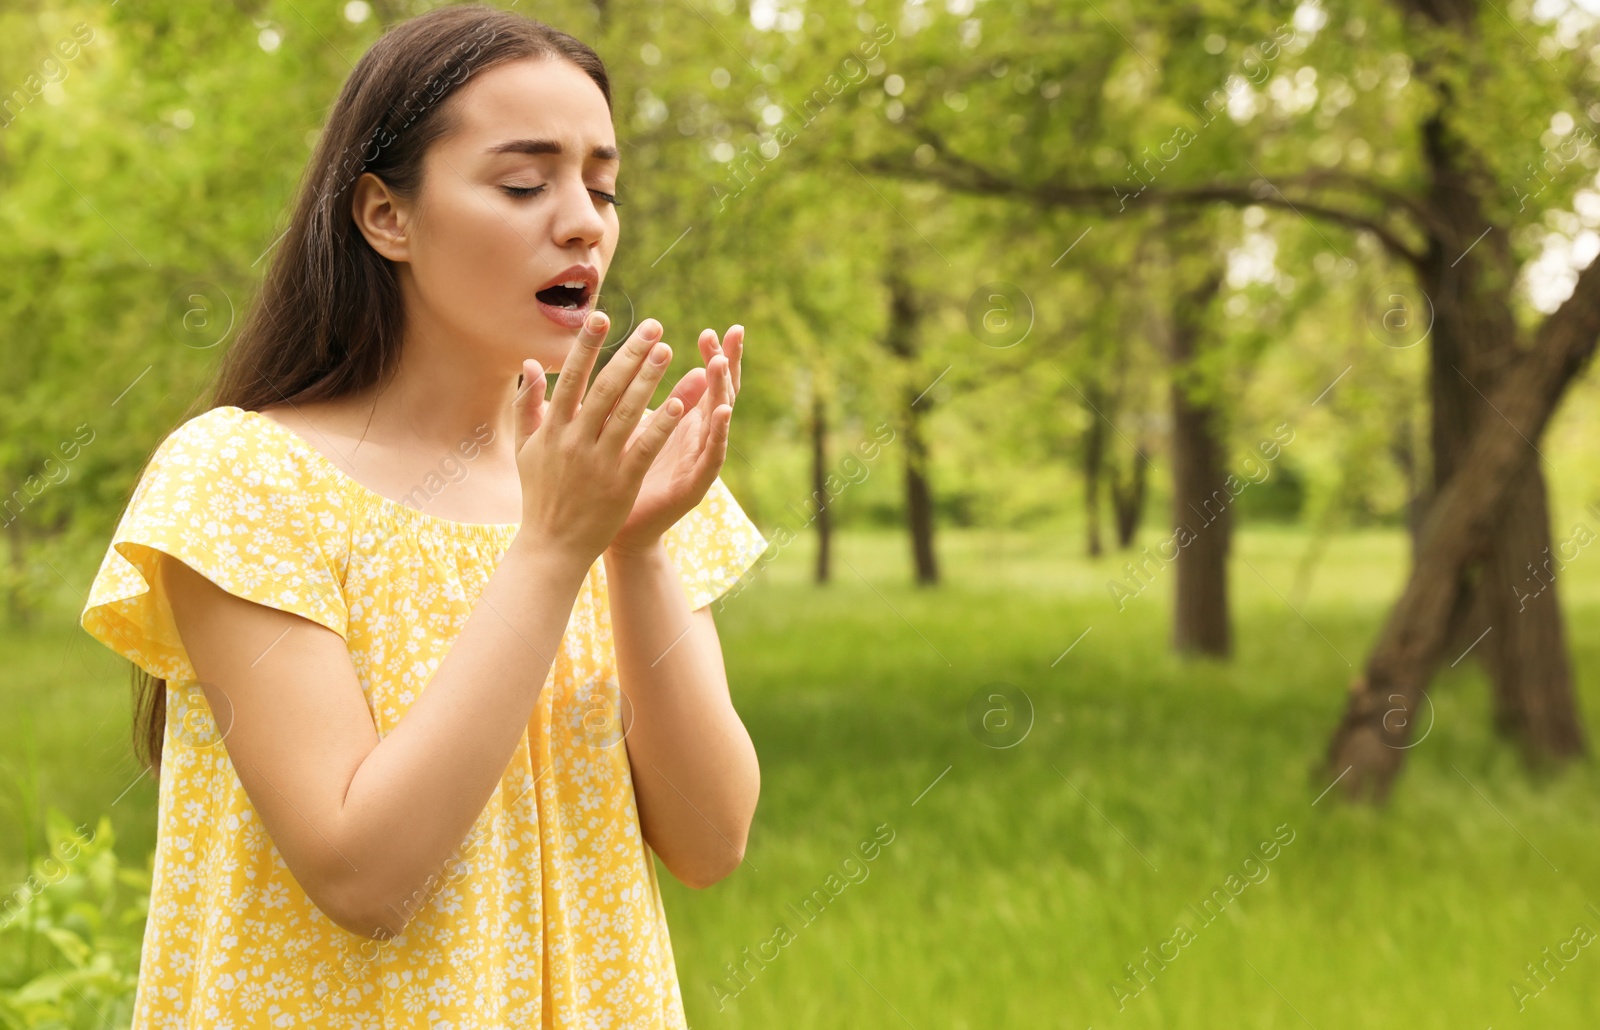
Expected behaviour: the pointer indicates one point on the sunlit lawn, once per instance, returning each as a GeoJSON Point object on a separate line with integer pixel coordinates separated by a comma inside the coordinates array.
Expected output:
{"type": "Point", "coordinates": [1020, 882]}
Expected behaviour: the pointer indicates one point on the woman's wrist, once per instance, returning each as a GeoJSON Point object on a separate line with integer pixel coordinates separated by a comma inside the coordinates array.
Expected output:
{"type": "Point", "coordinates": [556, 562]}
{"type": "Point", "coordinates": [635, 552]}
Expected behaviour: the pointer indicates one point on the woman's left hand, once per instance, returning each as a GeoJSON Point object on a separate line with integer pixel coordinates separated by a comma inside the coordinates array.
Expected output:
{"type": "Point", "coordinates": [693, 455]}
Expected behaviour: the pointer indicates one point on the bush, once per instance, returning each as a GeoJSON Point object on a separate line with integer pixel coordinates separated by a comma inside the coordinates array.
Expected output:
{"type": "Point", "coordinates": [70, 934]}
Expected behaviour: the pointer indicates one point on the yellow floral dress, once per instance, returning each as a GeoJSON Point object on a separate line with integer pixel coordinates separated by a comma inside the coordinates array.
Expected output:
{"type": "Point", "coordinates": [548, 915]}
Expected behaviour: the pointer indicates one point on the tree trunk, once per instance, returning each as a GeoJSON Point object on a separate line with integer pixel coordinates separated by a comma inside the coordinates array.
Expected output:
{"type": "Point", "coordinates": [1517, 635]}
{"type": "Point", "coordinates": [1523, 641]}
{"type": "Point", "coordinates": [1094, 448]}
{"type": "Point", "coordinates": [1403, 451]}
{"type": "Point", "coordinates": [1127, 500]}
{"type": "Point", "coordinates": [1525, 650]}
{"type": "Point", "coordinates": [819, 486]}
{"type": "Point", "coordinates": [905, 319]}
{"type": "Point", "coordinates": [1200, 502]}
{"type": "Point", "coordinates": [919, 502]}
{"type": "Point", "coordinates": [1367, 749]}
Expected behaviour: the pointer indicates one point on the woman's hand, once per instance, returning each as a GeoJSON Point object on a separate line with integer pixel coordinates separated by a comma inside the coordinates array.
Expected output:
{"type": "Point", "coordinates": [692, 457]}
{"type": "Point", "coordinates": [583, 453]}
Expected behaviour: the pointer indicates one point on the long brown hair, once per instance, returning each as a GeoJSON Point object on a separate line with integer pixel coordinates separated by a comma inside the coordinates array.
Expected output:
{"type": "Point", "coordinates": [327, 321]}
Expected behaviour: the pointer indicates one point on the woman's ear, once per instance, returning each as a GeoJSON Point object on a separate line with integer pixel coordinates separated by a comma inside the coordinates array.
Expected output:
{"type": "Point", "coordinates": [381, 216]}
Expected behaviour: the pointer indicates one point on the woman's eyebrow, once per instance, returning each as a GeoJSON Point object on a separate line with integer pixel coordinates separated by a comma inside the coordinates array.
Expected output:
{"type": "Point", "coordinates": [601, 152]}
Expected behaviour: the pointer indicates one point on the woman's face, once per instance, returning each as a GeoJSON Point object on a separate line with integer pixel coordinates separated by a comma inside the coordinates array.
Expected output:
{"type": "Point", "coordinates": [510, 201]}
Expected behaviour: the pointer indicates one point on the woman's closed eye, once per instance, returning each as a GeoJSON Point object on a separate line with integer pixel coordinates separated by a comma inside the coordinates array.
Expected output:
{"type": "Point", "coordinates": [518, 192]}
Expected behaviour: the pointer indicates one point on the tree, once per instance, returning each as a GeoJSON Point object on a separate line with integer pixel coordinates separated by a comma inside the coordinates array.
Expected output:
{"type": "Point", "coordinates": [1440, 214]}
{"type": "Point", "coordinates": [1202, 509]}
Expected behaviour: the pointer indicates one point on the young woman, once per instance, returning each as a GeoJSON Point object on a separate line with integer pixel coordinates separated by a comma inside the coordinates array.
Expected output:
{"type": "Point", "coordinates": [434, 672]}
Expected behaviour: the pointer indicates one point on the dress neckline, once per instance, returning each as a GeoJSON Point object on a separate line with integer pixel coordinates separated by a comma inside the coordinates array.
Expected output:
{"type": "Point", "coordinates": [403, 512]}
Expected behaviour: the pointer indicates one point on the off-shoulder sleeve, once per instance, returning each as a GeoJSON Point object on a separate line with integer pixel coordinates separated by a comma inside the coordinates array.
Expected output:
{"type": "Point", "coordinates": [713, 545]}
{"type": "Point", "coordinates": [232, 504]}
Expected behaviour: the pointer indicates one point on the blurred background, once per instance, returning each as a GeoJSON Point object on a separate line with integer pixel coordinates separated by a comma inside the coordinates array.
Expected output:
{"type": "Point", "coordinates": [1173, 425]}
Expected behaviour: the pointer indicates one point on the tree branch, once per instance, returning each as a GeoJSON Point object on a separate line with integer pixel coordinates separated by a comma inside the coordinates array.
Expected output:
{"type": "Point", "coordinates": [1375, 189]}
{"type": "Point", "coordinates": [959, 173]}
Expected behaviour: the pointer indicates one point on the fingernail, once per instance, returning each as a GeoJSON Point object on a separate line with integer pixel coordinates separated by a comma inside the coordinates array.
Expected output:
{"type": "Point", "coordinates": [658, 355]}
{"type": "Point", "coordinates": [597, 321]}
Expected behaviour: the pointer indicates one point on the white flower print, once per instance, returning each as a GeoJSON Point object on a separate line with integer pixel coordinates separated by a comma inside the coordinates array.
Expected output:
{"type": "Point", "coordinates": [232, 940]}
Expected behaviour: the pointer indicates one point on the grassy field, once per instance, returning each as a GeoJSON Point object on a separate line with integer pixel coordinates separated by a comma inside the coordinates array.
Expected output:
{"type": "Point", "coordinates": [1017, 884]}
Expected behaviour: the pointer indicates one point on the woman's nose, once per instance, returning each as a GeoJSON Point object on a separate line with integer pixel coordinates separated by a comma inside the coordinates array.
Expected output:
{"type": "Point", "coordinates": [578, 217]}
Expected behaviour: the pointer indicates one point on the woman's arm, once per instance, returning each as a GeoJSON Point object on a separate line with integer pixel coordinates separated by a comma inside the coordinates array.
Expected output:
{"type": "Point", "coordinates": [363, 823]}
{"type": "Point", "coordinates": [695, 774]}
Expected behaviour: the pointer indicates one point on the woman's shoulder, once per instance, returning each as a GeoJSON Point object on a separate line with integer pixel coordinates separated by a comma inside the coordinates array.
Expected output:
{"type": "Point", "coordinates": [222, 428]}
{"type": "Point", "coordinates": [235, 454]}
{"type": "Point", "coordinates": [243, 437]}
{"type": "Point", "coordinates": [228, 497]}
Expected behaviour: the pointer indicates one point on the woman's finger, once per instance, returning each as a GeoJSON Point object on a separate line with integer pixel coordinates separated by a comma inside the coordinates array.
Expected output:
{"type": "Point", "coordinates": [716, 445]}
{"type": "Point", "coordinates": [720, 390]}
{"type": "Point", "coordinates": [733, 347]}
{"type": "Point", "coordinates": [702, 411]}
{"type": "Point", "coordinates": [652, 438]}
{"type": "Point", "coordinates": [529, 405]}
{"type": "Point", "coordinates": [691, 388]}
{"type": "Point", "coordinates": [625, 365]}
{"type": "Point", "coordinates": [575, 369]}
{"type": "Point", "coordinates": [709, 347]}
{"type": "Point", "coordinates": [635, 399]}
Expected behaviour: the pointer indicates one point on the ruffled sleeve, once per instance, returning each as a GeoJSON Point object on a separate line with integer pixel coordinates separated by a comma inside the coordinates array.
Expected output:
{"type": "Point", "coordinates": [233, 504]}
{"type": "Point", "coordinates": [713, 545]}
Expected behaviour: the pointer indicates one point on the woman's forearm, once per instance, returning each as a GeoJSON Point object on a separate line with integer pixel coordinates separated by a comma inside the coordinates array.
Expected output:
{"type": "Point", "coordinates": [417, 794]}
{"type": "Point", "coordinates": [696, 778]}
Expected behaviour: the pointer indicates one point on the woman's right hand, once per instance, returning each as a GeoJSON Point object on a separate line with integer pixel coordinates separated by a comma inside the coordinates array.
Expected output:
{"type": "Point", "coordinates": [579, 474]}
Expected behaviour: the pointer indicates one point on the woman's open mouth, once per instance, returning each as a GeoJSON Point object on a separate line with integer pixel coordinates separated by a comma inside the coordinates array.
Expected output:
{"type": "Point", "coordinates": [566, 299]}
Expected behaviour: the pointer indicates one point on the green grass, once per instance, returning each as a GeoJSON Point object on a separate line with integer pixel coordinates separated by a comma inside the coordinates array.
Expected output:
{"type": "Point", "coordinates": [1017, 888]}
